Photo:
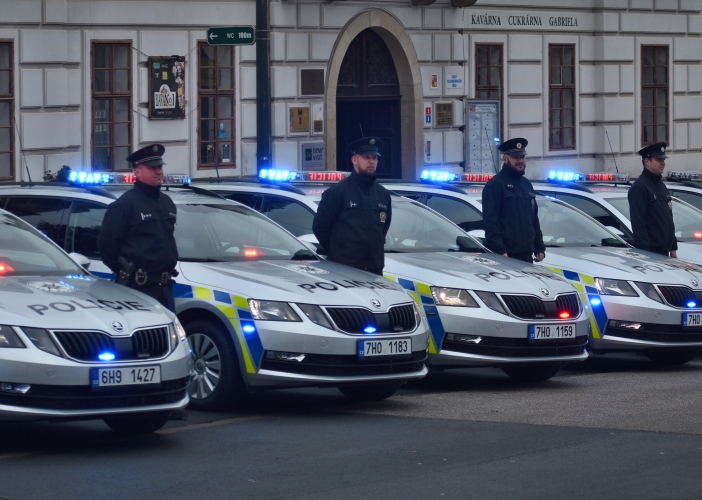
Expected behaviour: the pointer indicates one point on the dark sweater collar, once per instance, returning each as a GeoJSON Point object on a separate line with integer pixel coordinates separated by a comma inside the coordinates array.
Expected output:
{"type": "Point", "coordinates": [512, 172]}
{"type": "Point", "coordinates": [150, 191]}
{"type": "Point", "coordinates": [650, 175]}
{"type": "Point", "coordinates": [363, 180]}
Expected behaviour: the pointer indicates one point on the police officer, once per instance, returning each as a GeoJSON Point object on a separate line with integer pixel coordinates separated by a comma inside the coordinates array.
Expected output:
{"type": "Point", "coordinates": [651, 206]}
{"type": "Point", "coordinates": [354, 215]}
{"type": "Point", "coordinates": [136, 239]}
{"type": "Point", "coordinates": [510, 212]}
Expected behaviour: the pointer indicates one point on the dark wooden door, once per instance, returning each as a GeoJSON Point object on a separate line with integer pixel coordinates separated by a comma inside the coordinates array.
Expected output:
{"type": "Point", "coordinates": [368, 102]}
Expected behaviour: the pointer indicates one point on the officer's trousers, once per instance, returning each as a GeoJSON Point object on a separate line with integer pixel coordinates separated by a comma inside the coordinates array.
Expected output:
{"type": "Point", "coordinates": [162, 293]}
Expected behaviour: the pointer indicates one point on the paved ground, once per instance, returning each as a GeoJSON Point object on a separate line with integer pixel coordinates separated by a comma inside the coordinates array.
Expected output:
{"type": "Point", "coordinates": [614, 428]}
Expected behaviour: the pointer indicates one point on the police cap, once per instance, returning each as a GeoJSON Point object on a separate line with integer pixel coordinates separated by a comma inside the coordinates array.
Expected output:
{"type": "Point", "coordinates": [514, 147]}
{"type": "Point", "coordinates": [365, 146]}
{"type": "Point", "coordinates": [656, 150]}
{"type": "Point", "coordinates": [151, 156]}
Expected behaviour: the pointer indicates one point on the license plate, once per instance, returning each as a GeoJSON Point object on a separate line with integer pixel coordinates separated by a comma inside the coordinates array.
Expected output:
{"type": "Point", "coordinates": [126, 375]}
{"type": "Point", "coordinates": [692, 319]}
{"type": "Point", "coordinates": [552, 332]}
{"type": "Point", "coordinates": [394, 347]}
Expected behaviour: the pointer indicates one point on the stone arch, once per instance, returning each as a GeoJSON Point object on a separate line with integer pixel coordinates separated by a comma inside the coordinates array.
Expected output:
{"type": "Point", "coordinates": [405, 58]}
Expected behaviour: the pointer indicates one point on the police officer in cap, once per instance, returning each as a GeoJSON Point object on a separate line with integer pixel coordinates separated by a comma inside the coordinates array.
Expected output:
{"type": "Point", "coordinates": [510, 212]}
{"type": "Point", "coordinates": [651, 207]}
{"type": "Point", "coordinates": [136, 239]}
{"type": "Point", "coordinates": [354, 215]}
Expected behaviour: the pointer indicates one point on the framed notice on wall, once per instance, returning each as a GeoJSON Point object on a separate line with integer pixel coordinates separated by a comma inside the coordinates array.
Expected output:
{"type": "Point", "coordinates": [482, 135]}
{"type": "Point", "coordinates": [166, 87]}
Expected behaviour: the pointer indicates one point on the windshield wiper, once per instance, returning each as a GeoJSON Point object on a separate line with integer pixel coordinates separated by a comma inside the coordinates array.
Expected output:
{"type": "Point", "coordinates": [553, 246]}
{"type": "Point", "coordinates": [395, 251]}
{"type": "Point", "coordinates": [303, 254]}
{"type": "Point", "coordinates": [194, 259]}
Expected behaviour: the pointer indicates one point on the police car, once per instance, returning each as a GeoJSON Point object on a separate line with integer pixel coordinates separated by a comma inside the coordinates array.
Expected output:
{"type": "Point", "coordinates": [260, 309]}
{"type": "Point", "coordinates": [685, 185]}
{"type": "Point", "coordinates": [640, 301]}
{"type": "Point", "coordinates": [73, 346]}
{"type": "Point", "coordinates": [603, 196]}
{"type": "Point", "coordinates": [484, 309]}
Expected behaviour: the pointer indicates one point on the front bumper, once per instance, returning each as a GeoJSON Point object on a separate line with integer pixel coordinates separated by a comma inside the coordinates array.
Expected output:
{"type": "Point", "coordinates": [331, 357]}
{"type": "Point", "coordinates": [61, 388]}
{"type": "Point", "coordinates": [503, 340]}
{"type": "Point", "coordinates": [660, 327]}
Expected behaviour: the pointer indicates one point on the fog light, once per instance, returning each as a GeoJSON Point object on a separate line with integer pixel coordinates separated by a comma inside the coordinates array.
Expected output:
{"type": "Point", "coordinates": [469, 339]}
{"type": "Point", "coordinates": [16, 388]}
{"type": "Point", "coordinates": [625, 324]}
{"type": "Point", "coordinates": [285, 356]}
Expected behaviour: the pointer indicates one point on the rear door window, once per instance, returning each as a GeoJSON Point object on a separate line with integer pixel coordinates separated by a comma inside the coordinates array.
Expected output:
{"type": "Point", "coordinates": [248, 199]}
{"type": "Point", "coordinates": [84, 227]}
{"type": "Point", "coordinates": [45, 214]}
{"type": "Point", "coordinates": [597, 212]}
{"type": "Point", "coordinates": [291, 214]}
{"type": "Point", "coordinates": [692, 198]}
{"type": "Point", "coordinates": [463, 215]}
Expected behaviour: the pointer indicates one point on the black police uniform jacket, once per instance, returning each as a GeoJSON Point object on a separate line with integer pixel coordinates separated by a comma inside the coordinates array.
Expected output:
{"type": "Point", "coordinates": [651, 210]}
{"type": "Point", "coordinates": [511, 215]}
{"type": "Point", "coordinates": [139, 226]}
{"type": "Point", "coordinates": [352, 221]}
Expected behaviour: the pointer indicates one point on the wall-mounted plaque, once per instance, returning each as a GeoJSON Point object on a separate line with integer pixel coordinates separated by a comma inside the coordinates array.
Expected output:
{"type": "Point", "coordinates": [167, 87]}
{"type": "Point", "coordinates": [300, 119]}
{"type": "Point", "coordinates": [483, 135]}
{"type": "Point", "coordinates": [313, 157]}
{"type": "Point", "coordinates": [444, 114]}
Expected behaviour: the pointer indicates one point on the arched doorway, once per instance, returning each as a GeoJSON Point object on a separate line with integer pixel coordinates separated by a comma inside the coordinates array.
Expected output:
{"type": "Point", "coordinates": [368, 102]}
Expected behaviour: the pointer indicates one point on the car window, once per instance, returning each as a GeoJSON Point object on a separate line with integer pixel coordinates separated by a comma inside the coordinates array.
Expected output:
{"type": "Point", "coordinates": [694, 199]}
{"type": "Point", "coordinates": [594, 210]}
{"type": "Point", "coordinates": [461, 214]}
{"type": "Point", "coordinates": [45, 214]}
{"type": "Point", "coordinates": [246, 198]}
{"type": "Point", "coordinates": [409, 194]}
{"type": "Point", "coordinates": [687, 220]}
{"type": "Point", "coordinates": [83, 228]}
{"type": "Point", "coordinates": [292, 215]}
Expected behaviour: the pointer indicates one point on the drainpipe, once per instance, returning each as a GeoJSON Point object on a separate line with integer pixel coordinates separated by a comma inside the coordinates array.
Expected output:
{"type": "Point", "coordinates": [263, 85]}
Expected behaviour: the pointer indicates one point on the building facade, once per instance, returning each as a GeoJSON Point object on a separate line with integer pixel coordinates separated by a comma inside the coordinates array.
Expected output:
{"type": "Point", "coordinates": [586, 82]}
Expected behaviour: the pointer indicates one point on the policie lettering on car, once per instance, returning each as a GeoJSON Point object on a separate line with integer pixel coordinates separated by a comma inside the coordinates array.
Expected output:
{"type": "Point", "coordinates": [332, 286]}
{"type": "Point", "coordinates": [75, 304]}
{"type": "Point", "coordinates": [506, 275]}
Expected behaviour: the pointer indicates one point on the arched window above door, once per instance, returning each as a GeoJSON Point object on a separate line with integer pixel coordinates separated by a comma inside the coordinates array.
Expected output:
{"type": "Point", "coordinates": [367, 69]}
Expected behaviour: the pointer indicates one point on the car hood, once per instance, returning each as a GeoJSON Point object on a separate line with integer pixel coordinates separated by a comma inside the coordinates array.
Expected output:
{"type": "Point", "coordinates": [77, 302]}
{"type": "Point", "coordinates": [476, 271]}
{"type": "Point", "coordinates": [312, 282]}
{"type": "Point", "coordinates": [624, 264]}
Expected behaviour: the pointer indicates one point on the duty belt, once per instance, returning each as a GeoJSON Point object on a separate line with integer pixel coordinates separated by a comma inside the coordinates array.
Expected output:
{"type": "Point", "coordinates": [142, 278]}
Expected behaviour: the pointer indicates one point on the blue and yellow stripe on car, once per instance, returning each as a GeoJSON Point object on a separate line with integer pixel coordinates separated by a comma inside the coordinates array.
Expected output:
{"type": "Point", "coordinates": [421, 293]}
{"type": "Point", "coordinates": [585, 285]}
{"type": "Point", "coordinates": [236, 309]}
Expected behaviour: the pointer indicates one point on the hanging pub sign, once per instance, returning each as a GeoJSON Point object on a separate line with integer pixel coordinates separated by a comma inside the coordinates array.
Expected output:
{"type": "Point", "coordinates": [166, 87]}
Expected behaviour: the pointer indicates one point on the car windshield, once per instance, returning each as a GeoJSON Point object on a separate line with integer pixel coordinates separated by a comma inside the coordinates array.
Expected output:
{"type": "Point", "coordinates": [415, 228]}
{"type": "Point", "coordinates": [24, 252]}
{"type": "Point", "coordinates": [564, 226]}
{"type": "Point", "coordinates": [232, 233]}
{"type": "Point", "coordinates": [687, 220]}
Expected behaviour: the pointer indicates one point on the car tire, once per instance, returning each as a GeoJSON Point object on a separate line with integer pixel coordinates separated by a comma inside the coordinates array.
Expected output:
{"type": "Point", "coordinates": [531, 373]}
{"type": "Point", "coordinates": [138, 424]}
{"type": "Point", "coordinates": [672, 358]}
{"type": "Point", "coordinates": [375, 392]}
{"type": "Point", "coordinates": [217, 382]}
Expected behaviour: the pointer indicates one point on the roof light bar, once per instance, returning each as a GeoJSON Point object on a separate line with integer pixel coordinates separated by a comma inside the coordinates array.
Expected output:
{"type": "Point", "coordinates": [564, 176]}
{"type": "Point", "coordinates": [272, 175]}
{"type": "Point", "coordinates": [438, 176]}
{"type": "Point", "coordinates": [477, 177]}
{"type": "Point", "coordinates": [325, 175]}
{"type": "Point", "coordinates": [97, 178]}
{"type": "Point", "coordinates": [606, 177]}
{"type": "Point", "coordinates": [674, 175]}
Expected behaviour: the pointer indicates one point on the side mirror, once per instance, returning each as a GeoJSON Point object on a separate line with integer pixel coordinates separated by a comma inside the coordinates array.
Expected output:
{"type": "Point", "coordinates": [80, 259]}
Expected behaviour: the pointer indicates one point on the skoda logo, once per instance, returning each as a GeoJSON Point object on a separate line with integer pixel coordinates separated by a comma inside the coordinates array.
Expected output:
{"type": "Point", "coordinates": [117, 326]}
{"type": "Point", "coordinates": [694, 282]}
{"type": "Point", "coordinates": [545, 292]}
{"type": "Point", "coordinates": [376, 303]}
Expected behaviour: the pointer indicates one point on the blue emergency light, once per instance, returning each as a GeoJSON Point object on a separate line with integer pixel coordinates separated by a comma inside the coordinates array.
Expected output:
{"type": "Point", "coordinates": [80, 177]}
{"type": "Point", "coordinates": [692, 304]}
{"type": "Point", "coordinates": [272, 175]}
{"type": "Point", "coordinates": [595, 301]}
{"type": "Point", "coordinates": [564, 176]}
{"type": "Point", "coordinates": [369, 329]}
{"type": "Point", "coordinates": [249, 328]}
{"type": "Point", "coordinates": [106, 356]}
{"type": "Point", "coordinates": [438, 176]}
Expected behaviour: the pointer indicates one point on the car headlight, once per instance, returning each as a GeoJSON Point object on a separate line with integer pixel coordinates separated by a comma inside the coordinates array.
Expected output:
{"type": "Point", "coordinates": [621, 288]}
{"type": "Point", "coordinates": [178, 334]}
{"type": "Point", "coordinates": [649, 291]}
{"type": "Point", "coordinates": [272, 311]}
{"type": "Point", "coordinates": [491, 300]}
{"type": "Point", "coordinates": [42, 340]}
{"type": "Point", "coordinates": [453, 297]}
{"type": "Point", "coordinates": [315, 315]}
{"type": "Point", "coordinates": [8, 338]}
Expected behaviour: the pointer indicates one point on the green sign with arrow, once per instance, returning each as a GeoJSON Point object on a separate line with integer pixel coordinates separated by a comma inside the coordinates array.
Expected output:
{"type": "Point", "coordinates": [232, 35]}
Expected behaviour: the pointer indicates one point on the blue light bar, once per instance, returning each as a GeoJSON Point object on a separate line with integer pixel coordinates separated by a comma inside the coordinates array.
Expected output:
{"type": "Point", "coordinates": [80, 177]}
{"type": "Point", "coordinates": [595, 301]}
{"type": "Point", "coordinates": [106, 356]}
{"type": "Point", "coordinates": [692, 304]}
{"type": "Point", "coordinates": [248, 328]}
{"type": "Point", "coordinates": [438, 176]}
{"type": "Point", "coordinates": [272, 175]}
{"type": "Point", "coordinates": [564, 176]}
{"type": "Point", "coordinates": [369, 329]}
